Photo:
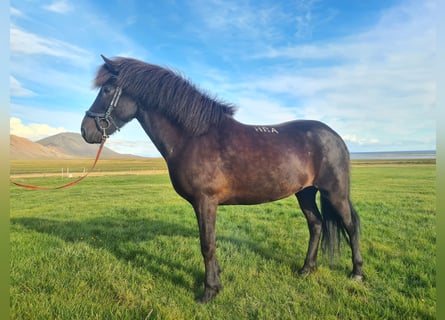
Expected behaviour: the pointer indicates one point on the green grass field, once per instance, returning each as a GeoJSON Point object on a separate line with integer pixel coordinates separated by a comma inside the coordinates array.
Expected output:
{"type": "Point", "coordinates": [126, 247]}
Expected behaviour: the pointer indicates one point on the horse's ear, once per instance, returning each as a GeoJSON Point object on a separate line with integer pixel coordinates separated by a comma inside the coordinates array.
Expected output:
{"type": "Point", "coordinates": [109, 64]}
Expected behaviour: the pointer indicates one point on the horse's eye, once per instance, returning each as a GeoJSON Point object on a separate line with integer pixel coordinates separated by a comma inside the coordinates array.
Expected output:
{"type": "Point", "coordinates": [106, 90]}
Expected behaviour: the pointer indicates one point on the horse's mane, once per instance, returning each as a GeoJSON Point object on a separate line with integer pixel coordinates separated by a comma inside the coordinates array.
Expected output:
{"type": "Point", "coordinates": [167, 92]}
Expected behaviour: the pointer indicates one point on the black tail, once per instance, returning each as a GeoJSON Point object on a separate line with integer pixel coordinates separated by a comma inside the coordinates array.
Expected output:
{"type": "Point", "coordinates": [334, 228]}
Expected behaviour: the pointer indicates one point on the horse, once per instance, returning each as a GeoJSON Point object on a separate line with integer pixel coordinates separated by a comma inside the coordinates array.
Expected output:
{"type": "Point", "coordinates": [215, 160]}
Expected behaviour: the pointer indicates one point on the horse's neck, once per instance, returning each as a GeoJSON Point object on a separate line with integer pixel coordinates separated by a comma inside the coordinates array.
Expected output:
{"type": "Point", "coordinates": [167, 138]}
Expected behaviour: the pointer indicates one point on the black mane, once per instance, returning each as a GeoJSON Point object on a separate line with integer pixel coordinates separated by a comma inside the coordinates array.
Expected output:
{"type": "Point", "coordinates": [167, 92]}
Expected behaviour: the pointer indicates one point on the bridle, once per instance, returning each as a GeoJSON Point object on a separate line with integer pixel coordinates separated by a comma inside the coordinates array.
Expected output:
{"type": "Point", "coordinates": [105, 120]}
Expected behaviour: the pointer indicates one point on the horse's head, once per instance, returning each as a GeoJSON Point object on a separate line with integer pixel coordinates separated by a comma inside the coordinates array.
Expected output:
{"type": "Point", "coordinates": [113, 107]}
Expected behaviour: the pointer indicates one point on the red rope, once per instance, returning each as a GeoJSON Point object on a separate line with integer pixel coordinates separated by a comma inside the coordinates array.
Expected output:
{"type": "Point", "coordinates": [27, 186]}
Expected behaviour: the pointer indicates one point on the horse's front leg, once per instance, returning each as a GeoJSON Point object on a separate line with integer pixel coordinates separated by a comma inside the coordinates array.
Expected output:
{"type": "Point", "coordinates": [205, 209]}
{"type": "Point", "coordinates": [306, 199]}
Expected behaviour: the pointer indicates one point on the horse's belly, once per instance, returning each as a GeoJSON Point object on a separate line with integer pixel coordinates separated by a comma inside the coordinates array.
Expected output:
{"type": "Point", "coordinates": [264, 190]}
{"type": "Point", "coordinates": [249, 200]}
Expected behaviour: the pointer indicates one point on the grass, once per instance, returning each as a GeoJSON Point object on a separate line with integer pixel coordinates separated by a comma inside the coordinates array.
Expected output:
{"type": "Point", "coordinates": [126, 247]}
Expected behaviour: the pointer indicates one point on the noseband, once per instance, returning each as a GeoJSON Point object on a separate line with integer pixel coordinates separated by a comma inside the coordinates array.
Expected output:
{"type": "Point", "coordinates": [104, 120]}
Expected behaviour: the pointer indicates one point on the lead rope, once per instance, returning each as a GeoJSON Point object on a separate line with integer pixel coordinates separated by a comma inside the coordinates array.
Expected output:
{"type": "Point", "coordinates": [27, 186]}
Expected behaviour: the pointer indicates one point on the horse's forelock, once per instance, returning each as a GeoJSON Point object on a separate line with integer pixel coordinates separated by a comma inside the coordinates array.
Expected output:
{"type": "Point", "coordinates": [102, 76]}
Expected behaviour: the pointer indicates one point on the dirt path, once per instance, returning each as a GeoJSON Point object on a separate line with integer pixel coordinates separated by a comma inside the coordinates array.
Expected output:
{"type": "Point", "coordinates": [94, 173]}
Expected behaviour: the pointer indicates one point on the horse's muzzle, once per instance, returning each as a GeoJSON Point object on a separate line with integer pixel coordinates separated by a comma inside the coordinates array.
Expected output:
{"type": "Point", "coordinates": [91, 135]}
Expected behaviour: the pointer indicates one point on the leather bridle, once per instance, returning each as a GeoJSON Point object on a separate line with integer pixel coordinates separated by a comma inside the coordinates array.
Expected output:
{"type": "Point", "coordinates": [105, 120]}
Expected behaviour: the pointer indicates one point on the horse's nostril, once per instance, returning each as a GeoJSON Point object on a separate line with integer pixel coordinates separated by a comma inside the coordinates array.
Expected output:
{"type": "Point", "coordinates": [84, 134]}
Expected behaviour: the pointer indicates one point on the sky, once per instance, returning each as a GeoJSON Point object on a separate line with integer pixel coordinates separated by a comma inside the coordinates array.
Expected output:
{"type": "Point", "coordinates": [365, 68]}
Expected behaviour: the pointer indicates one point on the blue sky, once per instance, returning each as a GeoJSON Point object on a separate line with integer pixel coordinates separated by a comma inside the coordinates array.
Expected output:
{"type": "Point", "coordinates": [366, 68]}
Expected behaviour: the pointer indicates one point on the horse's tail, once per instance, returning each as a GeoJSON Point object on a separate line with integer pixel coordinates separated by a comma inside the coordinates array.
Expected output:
{"type": "Point", "coordinates": [333, 227]}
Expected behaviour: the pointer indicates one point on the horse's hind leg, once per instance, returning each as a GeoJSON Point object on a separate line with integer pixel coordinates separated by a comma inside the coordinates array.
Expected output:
{"type": "Point", "coordinates": [351, 223]}
{"type": "Point", "coordinates": [306, 199]}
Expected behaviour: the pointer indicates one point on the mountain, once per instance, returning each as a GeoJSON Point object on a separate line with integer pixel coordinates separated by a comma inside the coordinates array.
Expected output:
{"type": "Point", "coordinates": [21, 148]}
{"type": "Point", "coordinates": [66, 145]}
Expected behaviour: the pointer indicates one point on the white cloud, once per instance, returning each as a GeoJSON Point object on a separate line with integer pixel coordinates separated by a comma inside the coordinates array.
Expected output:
{"type": "Point", "coordinates": [32, 131]}
{"type": "Point", "coordinates": [262, 111]}
{"type": "Point", "coordinates": [24, 42]}
{"type": "Point", "coordinates": [53, 117]}
{"type": "Point", "coordinates": [15, 12]}
{"type": "Point", "coordinates": [137, 147]}
{"type": "Point", "coordinates": [303, 18]}
{"type": "Point", "coordinates": [241, 23]}
{"type": "Point", "coordinates": [17, 90]}
{"type": "Point", "coordinates": [33, 62]}
{"type": "Point", "coordinates": [60, 7]}
{"type": "Point", "coordinates": [360, 141]}
{"type": "Point", "coordinates": [132, 139]}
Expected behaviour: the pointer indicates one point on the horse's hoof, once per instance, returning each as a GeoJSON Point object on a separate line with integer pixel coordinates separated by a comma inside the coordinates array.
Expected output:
{"type": "Point", "coordinates": [208, 296]}
{"type": "Point", "coordinates": [305, 271]}
{"type": "Point", "coordinates": [357, 277]}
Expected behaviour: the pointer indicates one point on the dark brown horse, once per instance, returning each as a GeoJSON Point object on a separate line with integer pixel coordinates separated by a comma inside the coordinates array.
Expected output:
{"type": "Point", "coordinates": [215, 160]}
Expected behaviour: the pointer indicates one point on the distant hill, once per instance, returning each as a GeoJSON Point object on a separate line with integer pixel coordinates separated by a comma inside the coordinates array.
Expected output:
{"type": "Point", "coordinates": [66, 145]}
{"type": "Point", "coordinates": [21, 148]}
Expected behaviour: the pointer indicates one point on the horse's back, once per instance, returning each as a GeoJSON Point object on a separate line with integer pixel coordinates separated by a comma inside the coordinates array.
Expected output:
{"type": "Point", "coordinates": [308, 140]}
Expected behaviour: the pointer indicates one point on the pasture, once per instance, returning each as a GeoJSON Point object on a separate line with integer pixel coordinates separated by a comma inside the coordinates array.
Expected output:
{"type": "Point", "coordinates": [125, 246]}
